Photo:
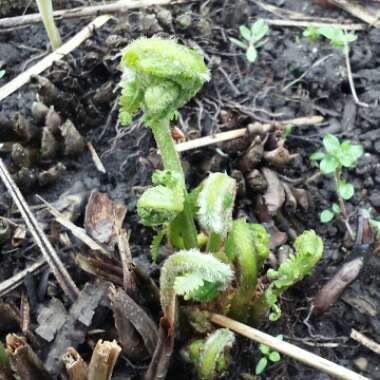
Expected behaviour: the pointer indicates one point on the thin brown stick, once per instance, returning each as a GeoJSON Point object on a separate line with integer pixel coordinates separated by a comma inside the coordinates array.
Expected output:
{"type": "Point", "coordinates": [17, 280]}
{"type": "Point", "coordinates": [288, 349]}
{"type": "Point", "coordinates": [234, 134]}
{"type": "Point", "coordinates": [12, 86]}
{"type": "Point", "coordinates": [78, 232]}
{"type": "Point", "coordinates": [60, 272]}
{"type": "Point", "coordinates": [305, 24]}
{"type": "Point", "coordinates": [121, 6]}
{"type": "Point", "coordinates": [365, 341]}
{"type": "Point", "coordinates": [358, 11]}
{"type": "Point", "coordinates": [350, 78]}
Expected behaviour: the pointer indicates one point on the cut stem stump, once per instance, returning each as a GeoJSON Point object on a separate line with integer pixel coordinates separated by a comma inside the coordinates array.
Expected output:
{"type": "Point", "coordinates": [288, 349]}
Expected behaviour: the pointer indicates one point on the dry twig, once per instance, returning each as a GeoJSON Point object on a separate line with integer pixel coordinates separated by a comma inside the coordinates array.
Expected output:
{"type": "Point", "coordinates": [12, 86]}
{"type": "Point", "coordinates": [61, 274]}
{"type": "Point", "coordinates": [288, 349]}
{"type": "Point", "coordinates": [365, 341]}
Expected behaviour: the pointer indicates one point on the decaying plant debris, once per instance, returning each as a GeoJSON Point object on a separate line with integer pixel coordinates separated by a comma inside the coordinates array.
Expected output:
{"type": "Point", "coordinates": [84, 176]}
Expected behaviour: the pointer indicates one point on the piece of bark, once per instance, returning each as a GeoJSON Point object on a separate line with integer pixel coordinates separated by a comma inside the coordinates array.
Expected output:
{"type": "Point", "coordinates": [104, 219]}
{"type": "Point", "coordinates": [125, 309]}
{"type": "Point", "coordinates": [50, 319]}
{"type": "Point", "coordinates": [103, 360]}
{"type": "Point", "coordinates": [24, 360]}
{"type": "Point", "coordinates": [79, 319]}
{"type": "Point", "coordinates": [332, 290]}
{"type": "Point", "coordinates": [280, 156]}
{"type": "Point", "coordinates": [76, 367]}
{"type": "Point", "coordinates": [254, 155]}
{"type": "Point", "coordinates": [274, 197]}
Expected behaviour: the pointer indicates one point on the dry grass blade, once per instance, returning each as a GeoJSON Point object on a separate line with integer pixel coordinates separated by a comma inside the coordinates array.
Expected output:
{"type": "Point", "coordinates": [12, 86]}
{"type": "Point", "coordinates": [75, 230]}
{"type": "Point", "coordinates": [103, 360]}
{"type": "Point", "coordinates": [234, 134]}
{"type": "Point", "coordinates": [16, 280]}
{"type": "Point", "coordinates": [365, 341]}
{"type": "Point", "coordinates": [61, 274]}
{"type": "Point", "coordinates": [288, 349]}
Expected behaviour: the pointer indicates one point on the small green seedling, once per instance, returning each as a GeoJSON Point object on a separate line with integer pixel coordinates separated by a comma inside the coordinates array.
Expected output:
{"type": "Point", "coordinates": [329, 214]}
{"type": "Point", "coordinates": [338, 37]}
{"type": "Point", "coordinates": [287, 131]}
{"type": "Point", "coordinates": [312, 33]}
{"type": "Point", "coordinates": [252, 37]}
{"type": "Point", "coordinates": [333, 159]}
{"type": "Point", "coordinates": [268, 356]}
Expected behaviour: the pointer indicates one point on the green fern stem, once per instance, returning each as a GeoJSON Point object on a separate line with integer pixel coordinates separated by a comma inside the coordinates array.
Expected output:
{"type": "Point", "coordinates": [171, 161]}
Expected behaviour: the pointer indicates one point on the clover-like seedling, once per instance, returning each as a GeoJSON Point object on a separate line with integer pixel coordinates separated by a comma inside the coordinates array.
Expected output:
{"type": "Point", "coordinates": [338, 37]}
{"type": "Point", "coordinates": [252, 38]}
{"type": "Point", "coordinates": [45, 8]}
{"type": "Point", "coordinates": [336, 156]}
{"type": "Point", "coordinates": [269, 356]}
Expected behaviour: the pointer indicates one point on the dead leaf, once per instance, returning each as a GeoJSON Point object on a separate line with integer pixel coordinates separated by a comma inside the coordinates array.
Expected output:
{"type": "Point", "coordinates": [104, 219]}
{"type": "Point", "coordinates": [274, 197]}
{"type": "Point", "coordinates": [280, 156]}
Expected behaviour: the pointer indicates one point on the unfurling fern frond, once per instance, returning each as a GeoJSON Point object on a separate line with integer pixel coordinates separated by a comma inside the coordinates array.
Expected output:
{"type": "Point", "coordinates": [160, 76]}
{"type": "Point", "coordinates": [155, 244]}
{"type": "Point", "coordinates": [309, 250]}
{"type": "Point", "coordinates": [215, 205]}
{"type": "Point", "coordinates": [162, 203]}
{"type": "Point", "coordinates": [194, 275]}
{"type": "Point", "coordinates": [247, 247]}
{"type": "Point", "coordinates": [211, 356]}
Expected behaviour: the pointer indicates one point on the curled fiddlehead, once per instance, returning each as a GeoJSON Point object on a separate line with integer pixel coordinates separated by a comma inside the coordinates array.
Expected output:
{"type": "Point", "coordinates": [193, 275]}
{"type": "Point", "coordinates": [247, 247]}
{"type": "Point", "coordinates": [160, 76]}
{"type": "Point", "coordinates": [211, 356]}
{"type": "Point", "coordinates": [215, 205]}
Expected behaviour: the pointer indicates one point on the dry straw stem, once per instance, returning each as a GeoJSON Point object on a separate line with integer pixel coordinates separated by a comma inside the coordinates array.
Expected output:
{"type": "Point", "coordinates": [365, 341]}
{"type": "Point", "coordinates": [61, 274]}
{"type": "Point", "coordinates": [103, 360]}
{"type": "Point", "coordinates": [96, 159]}
{"type": "Point", "coordinates": [18, 279]}
{"type": "Point", "coordinates": [234, 134]}
{"type": "Point", "coordinates": [288, 349]}
{"type": "Point", "coordinates": [76, 367]}
{"type": "Point", "coordinates": [75, 230]}
{"type": "Point", "coordinates": [121, 6]}
{"type": "Point", "coordinates": [317, 24]}
{"type": "Point", "coordinates": [12, 86]}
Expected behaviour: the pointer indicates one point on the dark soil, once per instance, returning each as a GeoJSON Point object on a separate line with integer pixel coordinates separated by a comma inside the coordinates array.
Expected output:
{"type": "Point", "coordinates": [239, 93]}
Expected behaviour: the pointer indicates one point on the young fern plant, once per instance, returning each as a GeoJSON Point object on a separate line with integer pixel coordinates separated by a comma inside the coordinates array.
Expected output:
{"type": "Point", "coordinates": [160, 76]}
{"type": "Point", "coordinates": [45, 8]}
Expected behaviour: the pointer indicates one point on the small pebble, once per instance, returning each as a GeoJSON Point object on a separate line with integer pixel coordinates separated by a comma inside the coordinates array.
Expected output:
{"type": "Point", "coordinates": [361, 363]}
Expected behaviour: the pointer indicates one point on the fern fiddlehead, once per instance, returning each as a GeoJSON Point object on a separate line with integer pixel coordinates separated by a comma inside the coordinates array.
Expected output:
{"type": "Point", "coordinates": [193, 275]}
{"type": "Point", "coordinates": [160, 76]}
{"type": "Point", "coordinates": [308, 251]}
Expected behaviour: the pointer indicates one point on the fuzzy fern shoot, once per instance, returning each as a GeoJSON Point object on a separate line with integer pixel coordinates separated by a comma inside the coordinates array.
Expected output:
{"type": "Point", "coordinates": [194, 276]}
{"type": "Point", "coordinates": [160, 76]}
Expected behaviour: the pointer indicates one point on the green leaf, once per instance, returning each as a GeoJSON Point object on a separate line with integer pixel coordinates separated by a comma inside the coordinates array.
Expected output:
{"type": "Point", "coordinates": [274, 356]}
{"type": "Point", "coordinates": [238, 43]}
{"type": "Point", "coordinates": [366, 213]}
{"type": "Point", "coordinates": [259, 29]}
{"type": "Point", "coordinates": [2, 73]}
{"type": "Point", "coordinates": [251, 54]}
{"type": "Point", "coordinates": [264, 349]}
{"type": "Point", "coordinates": [329, 164]}
{"type": "Point", "coordinates": [336, 208]}
{"type": "Point", "coordinates": [317, 156]}
{"type": "Point", "coordinates": [345, 190]}
{"type": "Point", "coordinates": [331, 144]}
{"type": "Point", "coordinates": [287, 131]}
{"type": "Point", "coordinates": [326, 216]}
{"type": "Point", "coordinates": [245, 32]}
{"type": "Point", "coordinates": [261, 365]}
{"type": "Point", "coordinates": [356, 151]}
